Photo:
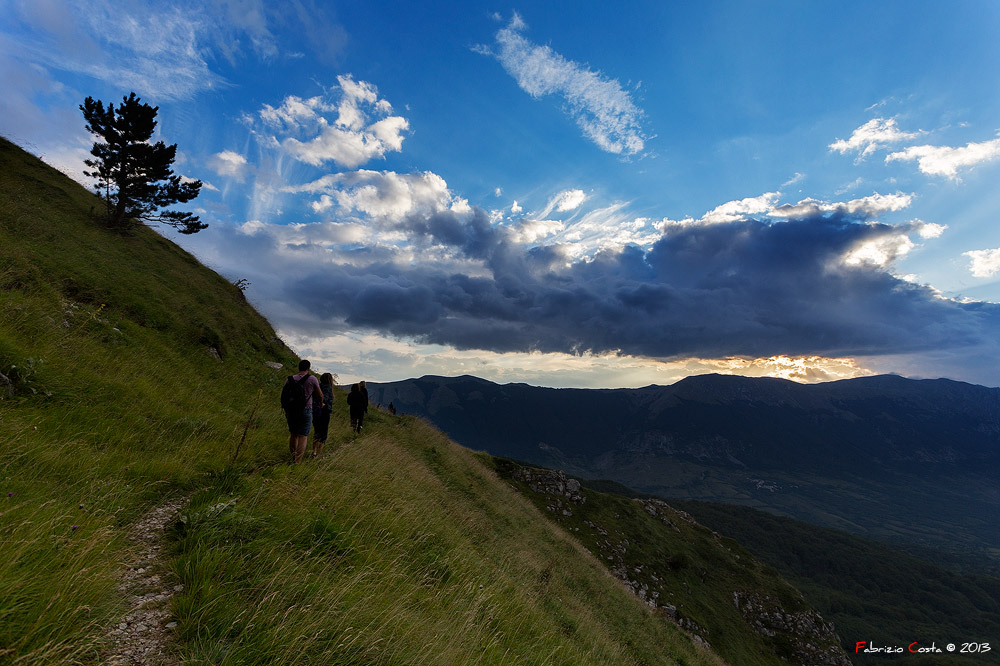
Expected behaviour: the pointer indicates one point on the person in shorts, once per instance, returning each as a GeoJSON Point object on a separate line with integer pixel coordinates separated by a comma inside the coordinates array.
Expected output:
{"type": "Point", "coordinates": [299, 423]}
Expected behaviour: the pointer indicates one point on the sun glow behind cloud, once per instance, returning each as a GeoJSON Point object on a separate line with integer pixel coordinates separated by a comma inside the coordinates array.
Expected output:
{"type": "Point", "coordinates": [372, 357]}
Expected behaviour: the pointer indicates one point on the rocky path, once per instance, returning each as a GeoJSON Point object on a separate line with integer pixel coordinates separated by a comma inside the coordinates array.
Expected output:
{"type": "Point", "coordinates": [144, 633]}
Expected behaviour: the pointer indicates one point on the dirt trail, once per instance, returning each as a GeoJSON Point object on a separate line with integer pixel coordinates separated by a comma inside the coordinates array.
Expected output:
{"type": "Point", "coordinates": [144, 634]}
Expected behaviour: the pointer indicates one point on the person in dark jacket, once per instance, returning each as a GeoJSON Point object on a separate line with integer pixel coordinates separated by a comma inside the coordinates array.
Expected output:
{"type": "Point", "coordinates": [358, 406]}
{"type": "Point", "coordinates": [364, 392]}
{"type": "Point", "coordinates": [321, 414]}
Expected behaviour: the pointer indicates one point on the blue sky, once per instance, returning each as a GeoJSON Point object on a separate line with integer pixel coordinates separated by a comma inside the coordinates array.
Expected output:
{"type": "Point", "coordinates": [566, 194]}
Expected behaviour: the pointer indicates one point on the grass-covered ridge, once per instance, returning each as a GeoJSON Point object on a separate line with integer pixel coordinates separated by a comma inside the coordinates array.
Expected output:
{"type": "Point", "coordinates": [401, 547]}
{"type": "Point", "coordinates": [134, 372]}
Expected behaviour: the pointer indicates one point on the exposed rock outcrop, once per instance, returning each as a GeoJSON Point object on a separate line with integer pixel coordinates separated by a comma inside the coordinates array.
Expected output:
{"type": "Point", "coordinates": [816, 642]}
{"type": "Point", "coordinates": [554, 483]}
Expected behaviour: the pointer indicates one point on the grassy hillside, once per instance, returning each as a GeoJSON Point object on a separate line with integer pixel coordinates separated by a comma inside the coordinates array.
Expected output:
{"type": "Point", "coordinates": [708, 584]}
{"type": "Point", "coordinates": [870, 591]}
{"type": "Point", "coordinates": [134, 373]}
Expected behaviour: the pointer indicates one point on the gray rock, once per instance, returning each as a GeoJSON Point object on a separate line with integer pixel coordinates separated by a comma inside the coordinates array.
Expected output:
{"type": "Point", "coordinates": [551, 482]}
{"type": "Point", "coordinates": [813, 640]}
{"type": "Point", "coordinates": [6, 387]}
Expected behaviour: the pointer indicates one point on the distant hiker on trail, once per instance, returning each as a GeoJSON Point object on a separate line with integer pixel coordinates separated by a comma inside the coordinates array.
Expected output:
{"type": "Point", "coordinates": [364, 392]}
{"type": "Point", "coordinates": [359, 405]}
{"type": "Point", "coordinates": [392, 408]}
{"type": "Point", "coordinates": [321, 414]}
{"type": "Point", "coordinates": [297, 397]}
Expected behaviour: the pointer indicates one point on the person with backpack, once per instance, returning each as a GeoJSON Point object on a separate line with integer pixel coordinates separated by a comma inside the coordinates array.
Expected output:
{"type": "Point", "coordinates": [359, 405]}
{"type": "Point", "coordinates": [297, 397]}
{"type": "Point", "coordinates": [321, 414]}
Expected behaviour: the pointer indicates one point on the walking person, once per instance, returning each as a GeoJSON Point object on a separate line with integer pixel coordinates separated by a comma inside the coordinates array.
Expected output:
{"type": "Point", "coordinates": [297, 398]}
{"type": "Point", "coordinates": [364, 393]}
{"type": "Point", "coordinates": [321, 414]}
{"type": "Point", "coordinates": [358, 406]}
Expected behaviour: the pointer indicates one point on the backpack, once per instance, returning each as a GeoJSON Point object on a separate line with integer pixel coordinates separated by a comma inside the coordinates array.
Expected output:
{"type": "Point", "coordinates": [293, 394]}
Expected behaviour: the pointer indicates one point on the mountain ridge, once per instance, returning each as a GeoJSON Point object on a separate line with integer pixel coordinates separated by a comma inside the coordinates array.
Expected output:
{"type": "Point", "coordinates": [912, 461]}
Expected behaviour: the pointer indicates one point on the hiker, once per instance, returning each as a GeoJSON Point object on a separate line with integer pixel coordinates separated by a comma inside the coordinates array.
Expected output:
{"type": "Point", "coordinates": [321, 414]}
{"type": "Point", "coordinates": [392, 408]}
{"type": "Point", "coordinates": [364, 393]}
{"type": "Point", "coordinates": [297, 396]}
{"type": "Point", "coordinates": [359, 405]}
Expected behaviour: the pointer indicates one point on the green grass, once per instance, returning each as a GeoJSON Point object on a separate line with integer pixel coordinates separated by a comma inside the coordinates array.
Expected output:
{"type": "Point", "coordinates": [400, 547]}
{"type": "Point", "coordinates": [677, 562]}
{"type": "Point", "coordinates": [397, 548]}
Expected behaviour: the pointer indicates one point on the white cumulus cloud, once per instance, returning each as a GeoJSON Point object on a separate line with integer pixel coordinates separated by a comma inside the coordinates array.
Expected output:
{"type": "Point", "coordinates": [362, 130]}
{"type": "Point", "coordinates": [891, 243]}
{"type": "Point", "coordinates": [738, 210]}
{"type": "Point", "coordinates": [876, 133]}
{"type": "Point", "coordinates": [609, 228]}
{"type": "Point", "coordinates": [229, 164]}
{"type": "Point", "coordinates": [765, 206]}
{"type": "Point", "coordinates": [985, 263]}
{"type": "Point", "coordinates": [527, 232]}
{"type": "Point", "coordinates": [929, 229]}
{"type": "Point", "coordinates": [295, 113]}
{"type": "Point", "coordinates": [880, 251]}
{"type": "Point", "coordinates": [945, 160]}
{"type": "Point", "coordinates": [869, 206]}
{"type": "Point", "coordinates": [382, 194]}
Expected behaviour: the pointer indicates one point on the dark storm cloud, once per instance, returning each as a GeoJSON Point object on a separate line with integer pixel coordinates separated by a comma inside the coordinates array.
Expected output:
{"type": "Point", "coordinates": [747, 288]}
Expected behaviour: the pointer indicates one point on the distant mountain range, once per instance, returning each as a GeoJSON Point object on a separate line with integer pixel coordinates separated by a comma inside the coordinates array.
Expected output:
{"type": "Point", "coordinates": [911, 461]}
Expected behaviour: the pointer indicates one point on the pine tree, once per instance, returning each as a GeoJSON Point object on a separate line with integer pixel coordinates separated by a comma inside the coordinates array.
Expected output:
{"type": "Point", "coordinates": [134, 176]}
